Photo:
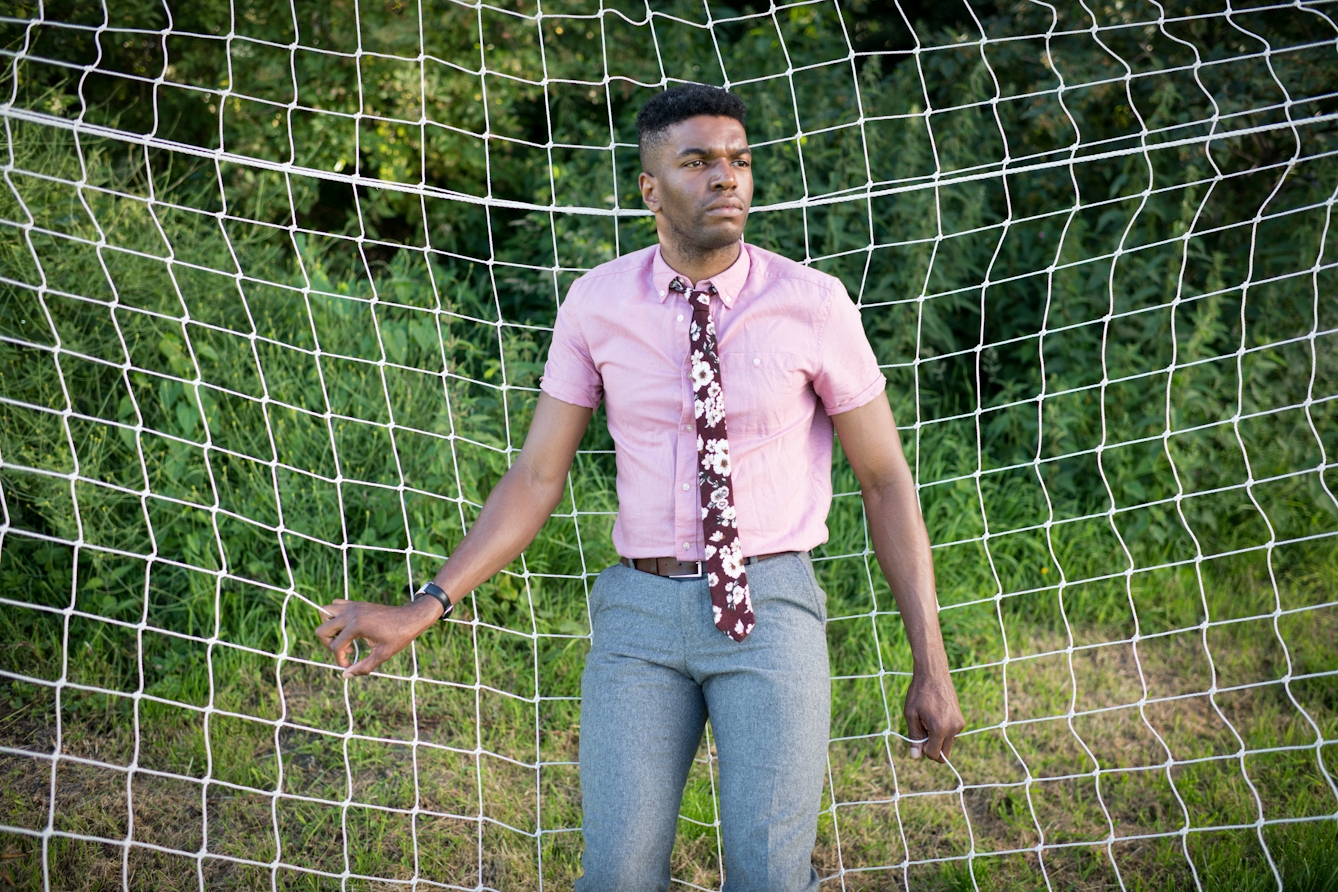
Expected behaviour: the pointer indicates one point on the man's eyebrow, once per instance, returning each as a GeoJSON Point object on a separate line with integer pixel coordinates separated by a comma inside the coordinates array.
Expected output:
{"type": "Point", "coordinates": [697, 150]}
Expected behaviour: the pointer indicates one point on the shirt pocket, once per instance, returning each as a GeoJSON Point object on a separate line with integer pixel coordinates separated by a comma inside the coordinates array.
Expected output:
{"type": "Point", "coordinates": [761, 391]}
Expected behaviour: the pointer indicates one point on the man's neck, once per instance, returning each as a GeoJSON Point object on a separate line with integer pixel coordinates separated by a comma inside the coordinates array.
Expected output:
{"type": "Point", "coordinates": [698, 266]}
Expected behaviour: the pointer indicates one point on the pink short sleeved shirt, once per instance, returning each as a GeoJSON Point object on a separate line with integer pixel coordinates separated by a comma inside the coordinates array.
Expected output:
{"type": "Point", "coordinates": [792, 354]}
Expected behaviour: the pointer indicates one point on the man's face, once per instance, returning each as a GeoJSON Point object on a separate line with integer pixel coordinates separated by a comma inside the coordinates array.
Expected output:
{"type": "Point", "coordinates": [701, 183]}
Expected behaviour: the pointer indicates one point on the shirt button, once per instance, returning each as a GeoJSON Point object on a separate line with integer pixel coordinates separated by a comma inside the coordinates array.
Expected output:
{"type": "Point", "coordinates": [685, 487]}
{"type": "Point", "coordinates": [688, 428]}
{"type": "Point", "coordinates": [757, 360]}
{"type": "Point", "coordinates": [686, 546]}
{"type": "Point", "coordinates": [662, 295]}
{"type": "Point", "coordinates": [680, 317]}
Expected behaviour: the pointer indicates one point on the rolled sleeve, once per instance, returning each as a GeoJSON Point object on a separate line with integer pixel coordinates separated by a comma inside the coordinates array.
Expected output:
{"type": "Point", "coordinates": [570, 374]}
{"type": "Point", "coordinates": [848, 374]}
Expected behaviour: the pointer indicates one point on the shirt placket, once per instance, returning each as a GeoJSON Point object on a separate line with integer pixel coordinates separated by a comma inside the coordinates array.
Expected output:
{"type": "Point", "coordinates": [687, 499]}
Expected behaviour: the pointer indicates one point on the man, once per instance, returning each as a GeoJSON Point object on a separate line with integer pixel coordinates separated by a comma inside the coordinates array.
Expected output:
{"type": "Point", "coordinates": [723, 369]}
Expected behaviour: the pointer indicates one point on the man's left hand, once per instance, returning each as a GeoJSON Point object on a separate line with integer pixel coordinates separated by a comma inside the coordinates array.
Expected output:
{"type": "Point", "coordinates": [932, 714]}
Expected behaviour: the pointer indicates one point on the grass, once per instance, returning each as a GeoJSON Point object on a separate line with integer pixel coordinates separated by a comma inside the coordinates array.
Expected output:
{"type": "Point", "coordinates": [481, 735]}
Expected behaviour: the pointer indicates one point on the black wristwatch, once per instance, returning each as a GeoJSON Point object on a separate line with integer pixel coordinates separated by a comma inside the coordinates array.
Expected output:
{"type": "Point", "coordinates": [432, 590]}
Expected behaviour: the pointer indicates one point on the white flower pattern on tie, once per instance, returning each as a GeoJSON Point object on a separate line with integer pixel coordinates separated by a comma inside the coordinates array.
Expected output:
{"type": "Point", "coordinates": [731, 602]}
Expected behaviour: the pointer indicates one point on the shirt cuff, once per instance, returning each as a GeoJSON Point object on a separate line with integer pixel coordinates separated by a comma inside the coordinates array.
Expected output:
{"type": "Point", "coordinates": [876, 387]}
{"type": "Point", "coordinates": [570, 393]}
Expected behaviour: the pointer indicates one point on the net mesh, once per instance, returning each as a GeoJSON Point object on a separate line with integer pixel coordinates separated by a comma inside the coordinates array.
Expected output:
{"type": "Point", "coordinates": [277, 285]}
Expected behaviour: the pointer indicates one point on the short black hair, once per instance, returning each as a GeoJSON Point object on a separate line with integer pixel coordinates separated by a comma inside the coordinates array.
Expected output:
{"type": "Point", "coordinates": [678, 103]}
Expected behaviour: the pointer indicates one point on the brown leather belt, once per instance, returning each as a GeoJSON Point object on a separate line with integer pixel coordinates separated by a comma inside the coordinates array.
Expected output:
{"type": "Point", "coordinates": [673, 567]}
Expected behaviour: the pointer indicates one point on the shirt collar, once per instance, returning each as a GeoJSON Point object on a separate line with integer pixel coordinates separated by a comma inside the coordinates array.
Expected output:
{"type": "Point", "coordinates": [728, 284]}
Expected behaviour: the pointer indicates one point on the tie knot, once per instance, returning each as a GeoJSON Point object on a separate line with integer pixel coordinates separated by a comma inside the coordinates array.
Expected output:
{"type": "Point", "coordinates": [702, 296]}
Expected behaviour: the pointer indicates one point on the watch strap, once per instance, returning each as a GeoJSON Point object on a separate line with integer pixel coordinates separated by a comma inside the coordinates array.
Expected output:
{"type": "Point", "coordinates": [432, 590]}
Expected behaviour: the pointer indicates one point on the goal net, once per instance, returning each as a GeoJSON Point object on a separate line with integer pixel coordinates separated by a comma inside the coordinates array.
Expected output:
{"type": "Point", "coordinates": [276, 284]}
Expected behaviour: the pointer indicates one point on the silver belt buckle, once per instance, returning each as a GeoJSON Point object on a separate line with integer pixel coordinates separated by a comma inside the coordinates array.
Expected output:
{"type": "Point", "coordinates": [698, 575]}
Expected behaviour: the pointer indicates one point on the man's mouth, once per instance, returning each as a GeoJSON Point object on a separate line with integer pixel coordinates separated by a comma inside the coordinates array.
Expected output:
{"type": "Point", "coordinates": [733, 208]}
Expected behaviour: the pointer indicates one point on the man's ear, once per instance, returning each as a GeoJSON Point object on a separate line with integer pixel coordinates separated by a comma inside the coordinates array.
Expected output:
{"type": "Point", "coordinates": [649, 191]}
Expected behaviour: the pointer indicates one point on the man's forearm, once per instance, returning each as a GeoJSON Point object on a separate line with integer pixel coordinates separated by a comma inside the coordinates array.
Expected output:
{"type": "Point", "coordinates": [512, 516]}
{"type": "Point", "coordinates": [901, 545]}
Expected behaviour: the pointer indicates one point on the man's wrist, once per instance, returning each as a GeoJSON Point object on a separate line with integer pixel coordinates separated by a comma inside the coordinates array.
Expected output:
{"type": "Point", "coordinates": [932, 662]}
{"type": "Point", "coordinates": [431, 590]}
{"type": "Point", "coordinates": [426, 609]}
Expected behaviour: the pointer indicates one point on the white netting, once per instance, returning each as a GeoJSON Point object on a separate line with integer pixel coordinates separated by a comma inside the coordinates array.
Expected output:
{"type": "Point", "coordinates": [276, 289]}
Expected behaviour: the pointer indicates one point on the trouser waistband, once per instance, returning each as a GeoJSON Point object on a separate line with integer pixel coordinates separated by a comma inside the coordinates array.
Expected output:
{"type": "Point", "coordinates": [674, 568]}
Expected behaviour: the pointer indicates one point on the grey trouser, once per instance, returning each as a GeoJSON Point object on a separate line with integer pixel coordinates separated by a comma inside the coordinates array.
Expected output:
{"type": "Point", "coordinates": [657, 668]}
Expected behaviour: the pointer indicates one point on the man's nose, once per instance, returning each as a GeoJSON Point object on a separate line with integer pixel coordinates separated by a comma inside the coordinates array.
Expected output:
{"type": "Point", "coordinates": [724, 177]}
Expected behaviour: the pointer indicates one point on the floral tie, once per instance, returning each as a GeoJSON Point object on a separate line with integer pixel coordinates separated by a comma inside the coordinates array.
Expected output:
{"type": "Point", "coordinates": [730, 600]}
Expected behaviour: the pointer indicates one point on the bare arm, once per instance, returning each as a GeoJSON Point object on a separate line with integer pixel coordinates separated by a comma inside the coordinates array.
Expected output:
{"type": "Point", "coordinates": [512, 516]}
{"type": "Point", "coordinates": [901, 545]}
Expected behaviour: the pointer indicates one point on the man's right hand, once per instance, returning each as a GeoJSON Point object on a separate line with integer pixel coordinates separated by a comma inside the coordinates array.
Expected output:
{"type": "Point", "coordinates": [388, 630]}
